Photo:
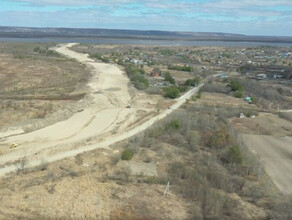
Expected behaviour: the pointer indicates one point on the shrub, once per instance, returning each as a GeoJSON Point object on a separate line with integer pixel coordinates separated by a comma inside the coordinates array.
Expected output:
{"type": "Point", "coordinates": [219, 139]}
{"type": "Point", "coordinates": [181, 68]}
{"type": "Point", "coordinates": [115, 159]}
{"type": "Point", "coordinates": [234, 155]}
{"type": "Point", "coordinates": [199, 94]}
{"type": "Point", "coordinates": [280, 91]}
{"type": "Point", "coordinates": [155, 180]}
{"type": "Point", "coordinates": [250, 113]}
{"type": "Point", "coordinates": [173, 125]}
{"type": "Point", "coordinates": [183, 88]}
{"type": "Point", "coordinates": [246, 68]}
{"type": "Point", "coordinates": [156, 132]}
{"type": "Point", "coordinates": [100, 57]}
{"type": "Point", "coordinates": [192, 82]}
{"type": "Point", "coordinates": [120, 62]}
{"type": "Point", "coordinates": [167, 52]}
{"type": "Point", "coordinates": [193, 139]}
{"type": "Point", "coordinates": [235, 86]}
{"type": "Point", "coordinates": [127, 154]}
{"type": "Point", "coordinates": [172, 92]}
{"type": "Point", "coordinates": [254, 100]}
{"type": "Point", "coordinates": [169, 78]}
{"type": "Point", "coordinates": [45, 51]}
{"type": "Point", "coordinates": [136, 75]}
{"type": "Point", "coordinates": [140, 82]}
{"type": "Point", "coordinates": [215, 88]}
{"type": "Point", "coordinates": [238, 94]}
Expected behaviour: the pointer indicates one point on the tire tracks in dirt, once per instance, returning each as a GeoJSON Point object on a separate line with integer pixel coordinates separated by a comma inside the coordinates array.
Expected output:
{"type": "Point", "coordinates": [108, 76]}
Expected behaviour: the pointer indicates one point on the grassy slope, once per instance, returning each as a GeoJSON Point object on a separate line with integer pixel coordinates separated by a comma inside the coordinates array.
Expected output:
{"type": "Point", "coordinates": [35, 83]}
{"type": "Point", "coordinates": [204, 183]}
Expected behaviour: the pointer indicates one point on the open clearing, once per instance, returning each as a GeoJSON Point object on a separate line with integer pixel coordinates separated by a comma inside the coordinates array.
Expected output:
{"type": "Point", "coordinates": [276, 153]}
{"type": "Point", "coordinates": [37, 89]}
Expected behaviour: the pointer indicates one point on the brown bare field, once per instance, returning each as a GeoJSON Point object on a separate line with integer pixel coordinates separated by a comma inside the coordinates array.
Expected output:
{"type": "Point", "coordinates": [264, 124]}
{"type": "Point", "coordinates": [34, 85]}
{"type": "Point", "coordinates": [276, 153]}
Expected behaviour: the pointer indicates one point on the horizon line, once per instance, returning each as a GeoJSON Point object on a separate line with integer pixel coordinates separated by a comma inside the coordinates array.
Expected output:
{"type": "Point", "coordinates": [129, 29]}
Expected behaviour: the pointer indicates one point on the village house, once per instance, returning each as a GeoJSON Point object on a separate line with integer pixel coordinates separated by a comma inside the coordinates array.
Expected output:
{"type": "Point", "coordinates": [156, 72]}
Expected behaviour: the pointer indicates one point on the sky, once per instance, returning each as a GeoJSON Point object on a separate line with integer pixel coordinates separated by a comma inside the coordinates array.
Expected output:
{"type": "Point", "coordinates": [251, 17]}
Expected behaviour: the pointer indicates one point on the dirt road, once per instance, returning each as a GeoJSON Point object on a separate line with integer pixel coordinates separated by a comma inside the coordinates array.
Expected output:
{"type": "Point", "coordinates": [276, 153]}
{"type": "Point", "coordinates": [108, 97]}
{"type": "Point", "coordinates": [107, 117]}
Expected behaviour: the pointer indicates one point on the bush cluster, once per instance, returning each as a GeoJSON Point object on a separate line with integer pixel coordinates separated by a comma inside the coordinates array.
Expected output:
{"type": "Point", "coordinates": [127, 154]}
{"type": "Point", "coordinates": [181, 68]}
{"type": "Point", "coordinates": [192, 82]}
{"type": "Point", "coordinates": [173, 125]}
{"type": "Point", "coordinates": [136, 75]}
{"type": "Point", "coordinates": [45, 51]}
{"type": "Point", "coordinates": [172, 92]}
{"type": "Point", "coordinates": [219, 139]}
{"type": "Point", "coordinates": [100, 57]}
{"type": "Point", "coordinates": [237, 87]}
{"type": "Point", "coordinates": [169, 78]}
{"type": "Point", "coordinates": [234, 155]}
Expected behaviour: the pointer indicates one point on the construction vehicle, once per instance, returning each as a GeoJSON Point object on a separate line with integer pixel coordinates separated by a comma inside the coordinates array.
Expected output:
{"type": "Point", "coordinates": [13, 146]}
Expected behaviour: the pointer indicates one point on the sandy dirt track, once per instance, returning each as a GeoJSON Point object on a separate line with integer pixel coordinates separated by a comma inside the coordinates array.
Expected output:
{"type": "Point", "coordinates": [108, 97]}
{"type": "Point", "coordinates": [107, 113]}
{"type": "Point", "coordinates": [276, 153]}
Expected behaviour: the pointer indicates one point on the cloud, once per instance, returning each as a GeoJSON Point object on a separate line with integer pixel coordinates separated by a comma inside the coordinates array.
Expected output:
{"type": "Point", "coordinates": [188, 15]}
{"type": "Point", "coordinates": [81, 2]}
{"type": "Point", "coordinates": [231, 4]}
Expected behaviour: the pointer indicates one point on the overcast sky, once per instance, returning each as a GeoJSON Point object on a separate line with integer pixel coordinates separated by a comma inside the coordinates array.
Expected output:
{"type": "Point", "coordinates": [253, 17]}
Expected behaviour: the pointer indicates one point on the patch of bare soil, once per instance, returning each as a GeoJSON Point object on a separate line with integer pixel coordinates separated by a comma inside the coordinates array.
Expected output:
{"type": "Point", "coordinates": [264, 124]}
{"type": "Point", "coordinates": [276, 153]}
{"type": "Point", "coordinates": [88, 186]}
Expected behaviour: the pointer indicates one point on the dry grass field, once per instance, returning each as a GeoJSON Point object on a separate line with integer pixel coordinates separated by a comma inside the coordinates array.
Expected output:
{"type": "Point", "coordinates": [36, 82]}
{"type": "Point", "coordinates": [204, 184]}
{"type": "Point", "coordinates": [198, 149]}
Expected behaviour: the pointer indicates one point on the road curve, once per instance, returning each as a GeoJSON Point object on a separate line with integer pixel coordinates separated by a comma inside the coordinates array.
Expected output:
{"type": "Point", "coordinates": [105, 143]}
{"type": "Point", "coordinates": [104, 111]}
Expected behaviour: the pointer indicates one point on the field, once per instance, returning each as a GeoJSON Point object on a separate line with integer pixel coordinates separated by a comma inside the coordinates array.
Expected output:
{"type": "Point", "coordinates": [204, 182]}
{"type": "Point", "coordinates": [110, 143]}
{"type": "Point", "coordinates": [37, 84]}
{"type": "Point", "coordinates": [276, 155]}
{"type": "Point", "coordinates": [267, 135]}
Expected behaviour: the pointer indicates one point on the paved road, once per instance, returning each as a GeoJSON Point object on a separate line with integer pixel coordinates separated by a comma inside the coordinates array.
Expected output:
{"type": "Point", "coordinates": [276, 153]}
